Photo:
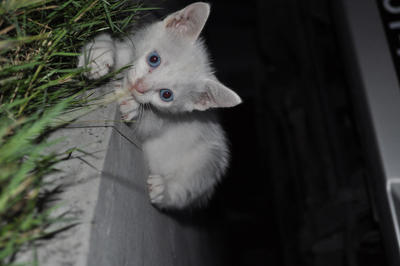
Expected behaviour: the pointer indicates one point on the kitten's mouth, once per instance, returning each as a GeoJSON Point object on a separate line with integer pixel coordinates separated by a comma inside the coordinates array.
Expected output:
{"type": "Point", "coordinates": [140, 92]}
{"type": "Point", "coordinates": [137, 95]}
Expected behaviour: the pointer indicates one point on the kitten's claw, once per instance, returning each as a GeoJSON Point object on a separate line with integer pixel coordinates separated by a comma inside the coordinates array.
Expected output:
{"type": "Point", "coordinates": [156, 189]}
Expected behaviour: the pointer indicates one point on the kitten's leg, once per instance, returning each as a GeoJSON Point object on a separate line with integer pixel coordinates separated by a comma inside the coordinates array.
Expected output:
{"type": "Point", "coordinates": [166, 193]}
{"type": "Point", "coordinates": [98, 55]}
{"type": "Point", "coordinates": [191, 183]}
{"type": "Point", "coordinates": [172, 193]}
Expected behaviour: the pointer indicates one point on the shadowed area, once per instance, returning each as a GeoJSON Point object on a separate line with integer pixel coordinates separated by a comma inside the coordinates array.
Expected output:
{"type": "Point", "coordinates": [296, 192]}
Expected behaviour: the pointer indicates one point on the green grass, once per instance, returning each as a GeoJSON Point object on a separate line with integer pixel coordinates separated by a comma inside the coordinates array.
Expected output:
{"type": "Point", "coordinates": [39, 82]}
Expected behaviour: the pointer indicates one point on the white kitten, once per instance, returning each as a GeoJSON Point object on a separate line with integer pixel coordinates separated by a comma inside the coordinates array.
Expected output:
{"type": "Point", "coordinates": [169, 90]}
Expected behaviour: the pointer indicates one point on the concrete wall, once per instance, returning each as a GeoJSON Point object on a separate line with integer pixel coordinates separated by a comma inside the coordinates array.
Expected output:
{"type": "Point", "coordinates": [104, 191]}
{"type": "Point", "coordinates": [127, 229]}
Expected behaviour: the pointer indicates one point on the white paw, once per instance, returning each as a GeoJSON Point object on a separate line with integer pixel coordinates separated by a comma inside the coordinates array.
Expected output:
{"type": "Point", "coordinates": [127, 105]}
{"type": "Point", "coordinates": [156, 188]}
{"type": "Point", "coordinates": [98, 57]}
{"type": "Point", "coordinates": [98, 61]}
{"type": "Point", "coordinates": [129, 109]}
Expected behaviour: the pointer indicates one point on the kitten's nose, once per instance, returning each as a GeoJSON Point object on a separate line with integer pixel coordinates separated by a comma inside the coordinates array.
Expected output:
{"type": "Point", "coordinates": [138, 86]}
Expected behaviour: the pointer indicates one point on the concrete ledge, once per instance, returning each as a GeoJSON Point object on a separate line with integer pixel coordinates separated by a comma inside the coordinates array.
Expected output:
{"type": "Point", "coordinates": [105, 189]}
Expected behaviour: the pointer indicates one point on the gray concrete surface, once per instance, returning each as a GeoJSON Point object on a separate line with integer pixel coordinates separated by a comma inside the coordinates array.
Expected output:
{"type": "Point", "coordinates": [104, 191]}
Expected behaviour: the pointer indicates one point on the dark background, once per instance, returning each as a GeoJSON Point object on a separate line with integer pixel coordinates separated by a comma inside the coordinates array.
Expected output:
{"type": "Point", "coordinates": [297, 191]}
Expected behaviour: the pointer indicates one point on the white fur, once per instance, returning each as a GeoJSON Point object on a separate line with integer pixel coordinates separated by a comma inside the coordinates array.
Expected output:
{"type": "Point", "coordinates": [185, 147]}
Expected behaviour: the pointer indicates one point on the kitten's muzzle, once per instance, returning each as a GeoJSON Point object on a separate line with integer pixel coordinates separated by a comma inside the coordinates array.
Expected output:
{"type": "Point", "coordinates": [138, 86]}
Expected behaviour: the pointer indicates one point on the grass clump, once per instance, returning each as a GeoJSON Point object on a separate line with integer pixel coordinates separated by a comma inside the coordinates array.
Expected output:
{"type": "Point", "coordinates": [39, 43]}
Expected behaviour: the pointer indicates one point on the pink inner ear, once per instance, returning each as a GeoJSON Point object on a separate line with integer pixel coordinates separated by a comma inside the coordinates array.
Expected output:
{"type": "Point", "coordinates": [205, 99]}
{"type": "Point", "coordinates": [189, 21]}
{"type": "Point", "coordinates": [181, 21]}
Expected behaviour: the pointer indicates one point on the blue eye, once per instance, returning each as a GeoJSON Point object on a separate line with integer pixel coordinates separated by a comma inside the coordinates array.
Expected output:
{"type": "Point", "coordinates": [166, 95]}
{"type": "Point", "coordinates": [153, 59]}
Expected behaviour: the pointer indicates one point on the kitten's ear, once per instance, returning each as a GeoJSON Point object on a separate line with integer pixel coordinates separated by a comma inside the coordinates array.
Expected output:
{"type": "Point", "coordinates": [215, 95]}
{"type": "Point", "coordinates": [189, 21]}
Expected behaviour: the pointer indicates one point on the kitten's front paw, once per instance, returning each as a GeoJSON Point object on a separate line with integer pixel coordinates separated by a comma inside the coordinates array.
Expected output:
{"type": "Point", "coordinates": [98, 60]}
{"type": "Point", "coordinates": [156, 188]}
{"type": "Point", "coordinates": [127, 105]}
{"type": "Point", "coordinates": [129, 109]}
{"type": "Point", "coordinates": [98, 56]}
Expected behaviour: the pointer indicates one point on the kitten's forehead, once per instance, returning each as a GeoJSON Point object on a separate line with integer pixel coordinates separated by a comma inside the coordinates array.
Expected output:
{"type": "Point", "coordinates": [158, 38]}
{"type": "Point", "coordinates": [172, 46]}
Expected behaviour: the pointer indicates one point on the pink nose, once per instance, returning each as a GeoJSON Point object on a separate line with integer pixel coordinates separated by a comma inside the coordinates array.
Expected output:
{"type": "Point", "coordinates": [138, 86]}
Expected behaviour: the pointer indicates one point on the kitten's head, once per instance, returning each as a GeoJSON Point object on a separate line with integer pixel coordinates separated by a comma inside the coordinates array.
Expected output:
{"type": "Point", "coordinates": [172, 71]}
